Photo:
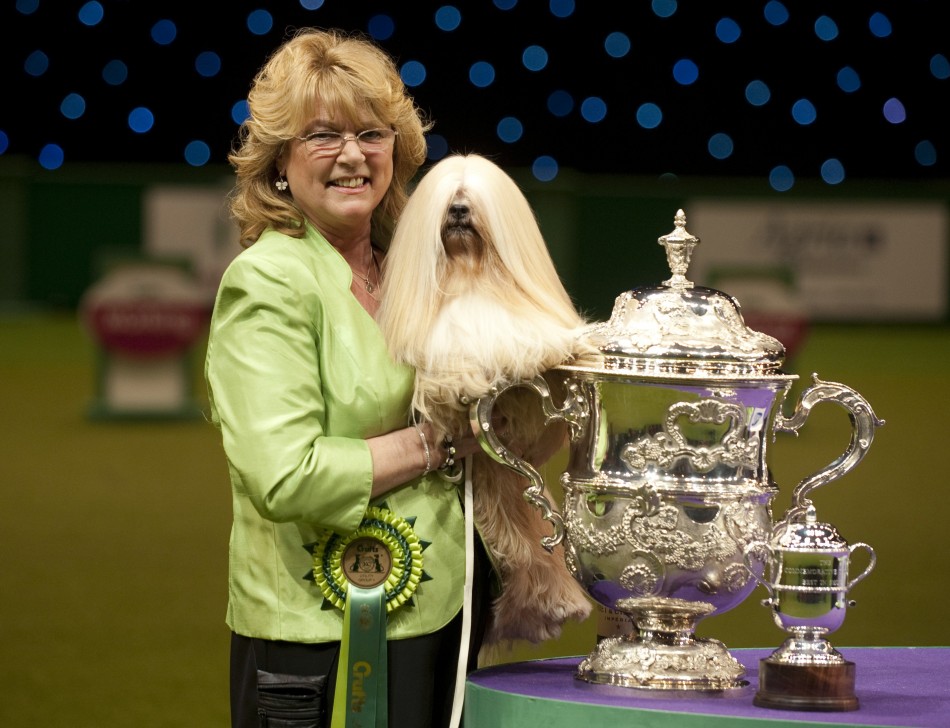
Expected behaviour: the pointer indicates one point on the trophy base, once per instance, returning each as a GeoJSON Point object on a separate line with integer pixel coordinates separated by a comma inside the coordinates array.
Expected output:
{"type": "Point", "coordinates": [701, 664]}
{"type": "Point", "coordinates": [826, 687]}
{"type": "Point", "coordinates": [663, 653]}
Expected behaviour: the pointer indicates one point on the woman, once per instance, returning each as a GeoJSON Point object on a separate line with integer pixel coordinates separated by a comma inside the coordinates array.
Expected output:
{"type": "Point", "coordinates": [313, 413]}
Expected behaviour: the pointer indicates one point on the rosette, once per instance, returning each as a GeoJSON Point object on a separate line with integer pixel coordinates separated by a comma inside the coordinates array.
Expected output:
{"type": "Point", "coordinates": [383, 550]}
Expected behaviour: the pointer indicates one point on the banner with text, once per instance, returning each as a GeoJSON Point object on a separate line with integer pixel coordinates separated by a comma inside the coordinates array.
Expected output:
{"type": "Point", "coordinates": [845, 260]}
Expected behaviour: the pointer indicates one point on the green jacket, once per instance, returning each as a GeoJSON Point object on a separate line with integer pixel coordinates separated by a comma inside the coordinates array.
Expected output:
{"type": "Point", "coordinates": [298, 375]}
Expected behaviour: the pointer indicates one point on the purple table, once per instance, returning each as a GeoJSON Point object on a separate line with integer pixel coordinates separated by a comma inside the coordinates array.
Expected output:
{"type": "Point", "coordinates": [896, 686]}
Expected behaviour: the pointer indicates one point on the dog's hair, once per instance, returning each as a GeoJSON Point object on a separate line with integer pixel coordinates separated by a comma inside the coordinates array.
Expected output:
{"type": "Point", "coordinates": [471, 299]}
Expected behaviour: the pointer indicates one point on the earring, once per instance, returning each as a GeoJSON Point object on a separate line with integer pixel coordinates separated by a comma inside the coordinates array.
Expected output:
{"type": "Point", "coordinates": [281, 184]}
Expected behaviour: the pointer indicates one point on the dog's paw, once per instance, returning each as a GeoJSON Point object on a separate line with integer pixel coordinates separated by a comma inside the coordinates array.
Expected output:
{"type": "Point", "coordinates": [537, 615]}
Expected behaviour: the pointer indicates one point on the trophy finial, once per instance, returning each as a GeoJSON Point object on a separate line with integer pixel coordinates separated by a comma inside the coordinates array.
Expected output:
{"type": "Point", "coordinates": [679, 246]}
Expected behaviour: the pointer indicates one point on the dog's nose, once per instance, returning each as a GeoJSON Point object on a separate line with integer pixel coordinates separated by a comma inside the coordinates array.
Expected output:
{"type": "Point", "coordinates": [458, 212]}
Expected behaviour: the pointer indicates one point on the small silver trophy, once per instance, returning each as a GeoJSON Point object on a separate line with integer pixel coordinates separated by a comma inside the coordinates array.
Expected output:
{"type": "Point", "coordinates": [808, 585]}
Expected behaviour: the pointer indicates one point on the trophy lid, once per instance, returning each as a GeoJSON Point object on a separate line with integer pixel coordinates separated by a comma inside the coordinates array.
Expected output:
{"type": "Point", "coordinates": [681, 329]}
{"type": "Point", "coordinates": [809, 535]}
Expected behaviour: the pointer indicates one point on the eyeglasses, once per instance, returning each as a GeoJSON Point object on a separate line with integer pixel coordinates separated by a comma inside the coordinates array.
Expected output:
{"type": "Point", "coordinates": [328, 143]}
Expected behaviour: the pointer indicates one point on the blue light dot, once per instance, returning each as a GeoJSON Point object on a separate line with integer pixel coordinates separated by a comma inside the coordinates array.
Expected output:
{"type": "Point", "coordinates": [381, 27]}
{"type": "Point", "coordinates": [436, 147]}
{"type": "Point", "coordinates": [617, 45]}
{"type": "Point", "coordinates": [848, 80]}
{"type": "Point", "coordinates": [649, 116]}
{"type": "Point", "coordinates": [832, 171]}
{"type": "Point", "coordinates": [720, 146]}
{"type": "Point", "coordinates": [505, 4]}
{"type": "Point", "coordinates": [481, 74]}
{"type": "Point", "coordinates": [73, 106]}
{"type": "Point", "coordinates": [663, 8]}
{"type": "Point", "coordinates": [803, 112]}
{"type": "Point", "coordinates": [561, 8]}
{"type": "Point", "coordinates": [4, 142]}
{"type": "Point", "coordinates": [509, 129]}
{"type": "Point", "coordinates": [448, 18]}
{"type": "Point", "coordinates": [311, 4]}
{"type": "Point", "coordinates": [925, 153]}
{"type": "Point", "coordinates": [534, 58]}
{"type": "Point", "coordinates": [593, 109]}
{"type": "Point", "coordinates": [260, 22]}
{"type": "Point", "coordinates": [776, 13]}
{"type": "Point", "coordinates": [36, 64]}
{"type": "Point", "coordinates": [781, 179]}
{"type": "Point", "coordinates": [560, 103]}
{"type": "Point", "coordinates": [197, 153]}
{"type": "Point", "coordinates": [91, 13]}
{"type": "Point", "coordinates": [141, 120]}
{"type": "Point", "coordinates": [880, 25]}
{"type": "Point", "coordinates": [51, 156]}
{"type": "Point", "coordinates": [894, 111]}
{"type": "Point", "coordinates": [757, 93]}
{"type": "Point", "coordinates": [728, 30]}
{"type": "Point", "coordinates": [240, 112]}
{"type": "Point", "coordinates": [544, 168]}
{"type": "Point", "coordinates": [826, 28]}
{"type": "Point", "coordinates": [27, 7]}
{"type": "Point", "coordinates": [164, 32]}
{"type": "Point", "coordinates": [412, 73]}
{"type": "Point", "coordinates": [685, 72]}
{"type": "Point", "coordinates": [115, 73]}
{"type": "Point", "coordinates": [208, 64]}
{"type": "Point", "coordinates": [940, 67]}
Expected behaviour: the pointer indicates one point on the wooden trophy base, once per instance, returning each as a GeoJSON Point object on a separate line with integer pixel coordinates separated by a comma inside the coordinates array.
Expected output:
{"type": "Point", "coordinates": [806, 687]}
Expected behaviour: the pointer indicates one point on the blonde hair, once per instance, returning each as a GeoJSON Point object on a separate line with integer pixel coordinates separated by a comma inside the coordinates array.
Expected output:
{"type": "Point", "coordinates": [349, 76]}
{"type": "Point", "coordinates": [464, 329]}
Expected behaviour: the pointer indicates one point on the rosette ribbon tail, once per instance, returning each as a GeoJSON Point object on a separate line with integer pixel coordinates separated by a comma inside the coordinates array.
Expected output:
{"type": "Point", "coordinates": [367, 573]}
{"type": "Point", "coordinates": [361, 698]}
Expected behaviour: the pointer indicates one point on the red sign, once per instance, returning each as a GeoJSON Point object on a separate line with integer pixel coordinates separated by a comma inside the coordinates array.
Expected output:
{"type": "Point", "coordinates": [146, 327]}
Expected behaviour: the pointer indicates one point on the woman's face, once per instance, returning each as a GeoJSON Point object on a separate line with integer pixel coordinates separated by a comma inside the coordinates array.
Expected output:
{"type": "Point", "coordinates": [337, 192]}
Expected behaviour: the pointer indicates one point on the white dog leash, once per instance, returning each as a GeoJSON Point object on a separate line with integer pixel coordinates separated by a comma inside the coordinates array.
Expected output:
{"type": "Point", "coordinates": [460, 674]}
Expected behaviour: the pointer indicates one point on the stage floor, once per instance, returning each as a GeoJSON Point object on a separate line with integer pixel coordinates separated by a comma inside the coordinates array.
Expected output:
{"type": "Point", "coordinates": [896, 686]}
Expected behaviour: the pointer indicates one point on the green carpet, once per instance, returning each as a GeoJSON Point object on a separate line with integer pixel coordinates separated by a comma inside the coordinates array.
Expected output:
{"type": "Point", "coordinates": [114, 548]}
{"type": "Point", "coordinates": [113, 535]}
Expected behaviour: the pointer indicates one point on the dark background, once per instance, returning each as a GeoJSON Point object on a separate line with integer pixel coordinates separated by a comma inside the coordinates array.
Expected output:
{"type": "Point", "coordinates": [790, 58]}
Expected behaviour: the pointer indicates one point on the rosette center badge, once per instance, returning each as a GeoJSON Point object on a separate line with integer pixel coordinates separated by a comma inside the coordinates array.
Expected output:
{"type": "Point", "coordinates": [367, 563]}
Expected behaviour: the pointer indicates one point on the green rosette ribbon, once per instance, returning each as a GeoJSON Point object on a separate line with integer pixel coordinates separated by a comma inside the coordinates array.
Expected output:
{"type": "Point", "coordinates": [367, 573]}
{"type": "Point", "coordinates": [394, 533]}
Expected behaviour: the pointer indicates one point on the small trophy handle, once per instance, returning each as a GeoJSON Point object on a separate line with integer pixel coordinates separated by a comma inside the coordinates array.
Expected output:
{"type": "Point", "coordinates": [863, 424]}
{"type": "Point", "coordinates": [868, 568]}
{"type": "Point", "coordinates": [574, 413]}
{"type": "Point", "coordinates": [750, 550]}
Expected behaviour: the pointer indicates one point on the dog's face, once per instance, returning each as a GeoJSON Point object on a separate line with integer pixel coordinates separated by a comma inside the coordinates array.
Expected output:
{"type": "Point", "coordinates": [461, 233]}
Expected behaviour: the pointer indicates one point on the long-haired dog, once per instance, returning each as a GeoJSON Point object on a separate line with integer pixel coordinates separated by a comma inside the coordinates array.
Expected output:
{"type": "Point", "coordinates": [471, 299]}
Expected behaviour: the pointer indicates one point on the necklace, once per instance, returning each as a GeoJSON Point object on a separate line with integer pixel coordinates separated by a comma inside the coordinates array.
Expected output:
{"type": "Point", "coordinates": [373, 265]}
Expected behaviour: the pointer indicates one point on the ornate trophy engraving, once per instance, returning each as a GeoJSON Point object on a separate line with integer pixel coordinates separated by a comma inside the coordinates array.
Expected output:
{"type": "Point", "coordinates": [667, 484]}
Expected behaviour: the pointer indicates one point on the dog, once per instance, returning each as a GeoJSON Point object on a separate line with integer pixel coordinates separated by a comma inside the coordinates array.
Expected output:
{"type": "Point", "coordinates": [471, 299]}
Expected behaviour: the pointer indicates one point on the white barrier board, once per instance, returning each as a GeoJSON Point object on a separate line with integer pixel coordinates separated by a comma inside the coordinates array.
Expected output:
{"type": "Point", "coordinates": [862, 260]}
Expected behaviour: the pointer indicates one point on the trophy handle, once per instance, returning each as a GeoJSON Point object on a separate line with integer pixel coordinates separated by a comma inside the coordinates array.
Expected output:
{"type": "Point", "coordinates": [747, 555]}
{"type": "Point", "coordinates": [863, 424]}
{"type": "Point", "coordinates": [868, 568]}
{"type": "Point", "coordinates": [574, 412]}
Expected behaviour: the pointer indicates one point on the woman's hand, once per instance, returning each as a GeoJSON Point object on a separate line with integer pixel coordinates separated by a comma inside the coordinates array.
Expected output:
{"type": "Point", "coordinates": [402, 455]}
{"type": "Point", "coordinates": [465, 444]}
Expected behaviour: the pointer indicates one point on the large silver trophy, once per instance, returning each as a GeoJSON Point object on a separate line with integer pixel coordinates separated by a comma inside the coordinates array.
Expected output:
{"type": "Point", "coordinates": [667, 483]}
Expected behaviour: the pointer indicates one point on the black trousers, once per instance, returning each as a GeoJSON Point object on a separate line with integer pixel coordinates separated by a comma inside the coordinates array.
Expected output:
{"type": "Point", "coordinates": [278, 684]}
